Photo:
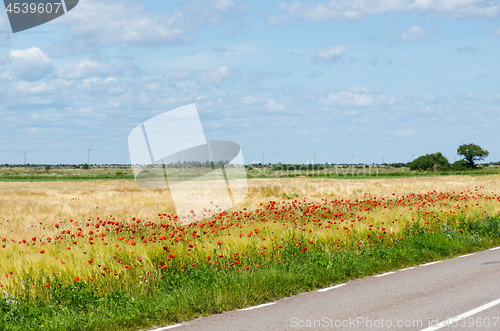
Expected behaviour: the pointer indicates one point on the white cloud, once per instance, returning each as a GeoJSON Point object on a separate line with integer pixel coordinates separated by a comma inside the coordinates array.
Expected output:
{"type": "Point", "coordinates": [404, 133]}
{"type": "Point", "coordinates": [108, 87]}
{"type": "Point", "coordinates": [274, 106]}
{"type": "Point", "coordinates": [216, 77]}
{"type": "Point", "coordinates": [466, 49]}
{"type": "Point", "coordinates": [180, 74]}
{"type": "Point", "coordinates": [96, 80]}
{"type": "Point", "coordinates": [358, 9]}
{"type": "Point", "coordinates": [414, 32]}
{"type": "Point", "coordinates": [40, 87]}
{"type": "Point", "coordinates": [214, 11]}
{"type": "Point", "coordinates": [329, 54]}
{"type": "Point", "coordinates": [275, 20]}
{"type": "Point", "coordinates": [4, 29]}
{"type": "Point", "coordinates": [493, 98]}
{"type": "Point", "coordinates": [356, 98]}
{"type": "Point", "coordinates": [347, 98]}
{"type": "Point", "coordinates": [30, 64]}
{"type": "Point", "coordinates": [256, 76]}
{"type": "Point", "coordinates": [122, 21]}
{"type": "Point", "coordinates": [250, 100]}
{"type": "Point", "coordinates": [86, 68]}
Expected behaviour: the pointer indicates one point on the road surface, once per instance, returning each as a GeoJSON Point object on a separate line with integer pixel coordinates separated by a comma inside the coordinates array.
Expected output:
{"type": "Point", "coordinates": [465, 288]}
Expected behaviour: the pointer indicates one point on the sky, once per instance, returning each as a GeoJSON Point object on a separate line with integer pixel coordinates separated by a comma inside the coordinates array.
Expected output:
{"type": "Point", "coordinates": [363, 81]}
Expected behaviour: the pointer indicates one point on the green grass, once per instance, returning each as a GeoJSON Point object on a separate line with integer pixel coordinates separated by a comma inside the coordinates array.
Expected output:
{"type": "Point", "coordinates": [203, 291]}
{"type": "Point", "coordinates": [38, 173]}
{"type": "Point", "coordinates": [374, 173]}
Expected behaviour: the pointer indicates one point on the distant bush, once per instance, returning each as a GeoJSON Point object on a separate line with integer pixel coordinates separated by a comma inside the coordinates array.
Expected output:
{"type": "Point", "coordinates": [459, 165]}
{"type": "Point", "coordinates": [426, 162]}
{"type": "Point", "coordinates": [47, 167]}
{"type": "Point", "coordinates": [85, 166]}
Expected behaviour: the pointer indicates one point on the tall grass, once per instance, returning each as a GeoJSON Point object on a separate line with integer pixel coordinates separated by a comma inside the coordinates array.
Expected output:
{"type": "Point", "coordinates": [203, 291]}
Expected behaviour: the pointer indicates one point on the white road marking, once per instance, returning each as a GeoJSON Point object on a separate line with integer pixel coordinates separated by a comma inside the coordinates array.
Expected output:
{"type": "Point", "coordinates": [259, 306]}
{"type": "Point", "coordinates": [168, 327]}
{"type": "Point", "coordinates": [462, 316]}
{"type": "Point", "coordinates": [407, 268]}
{"type": "Point", "coordinates": [423, 265]}
{"type": "Point", "coordinates": [387, 273]}
{"type": "Point", "coordinates": [466, 255]}
{"type": "Point", "coordinates": [493, 249]}
{"type": "Point", "coordinates": [331, 287]}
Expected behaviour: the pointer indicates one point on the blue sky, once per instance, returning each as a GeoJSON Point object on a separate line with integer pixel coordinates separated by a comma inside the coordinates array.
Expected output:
{"type": "Point", "coordinates": [364, 78]}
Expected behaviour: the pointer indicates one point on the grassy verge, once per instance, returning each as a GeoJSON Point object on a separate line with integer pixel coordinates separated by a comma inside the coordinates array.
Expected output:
{"type": "Point", "coordinates": [360, 174]}
{"type": "Point", "coordinates": [37, 174]}
{"type": "Point", "coordinates": [193, 292]}
{"type": "Point", "coordinates": [60, 179]}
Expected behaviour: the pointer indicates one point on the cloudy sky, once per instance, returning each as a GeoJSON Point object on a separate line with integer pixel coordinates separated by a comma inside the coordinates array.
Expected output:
{"type": "Point", "coordinates": [369, 79]}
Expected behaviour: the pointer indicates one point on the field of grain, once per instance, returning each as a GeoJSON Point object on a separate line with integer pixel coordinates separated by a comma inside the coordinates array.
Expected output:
{"type": "Point", "coordinates": [54, 231]}
{"type": "Point", "coordinates": [29, 203]}
{"type": "Point", "coordinates": [81, 244]}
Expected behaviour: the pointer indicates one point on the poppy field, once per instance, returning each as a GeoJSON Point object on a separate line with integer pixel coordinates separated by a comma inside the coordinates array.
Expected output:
{"type": "Point", "coordinates": [101, 267]}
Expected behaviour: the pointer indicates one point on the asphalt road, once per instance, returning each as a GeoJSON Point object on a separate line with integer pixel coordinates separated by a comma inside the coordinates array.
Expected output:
{"type": "Point", "coordinates": [418, 298]}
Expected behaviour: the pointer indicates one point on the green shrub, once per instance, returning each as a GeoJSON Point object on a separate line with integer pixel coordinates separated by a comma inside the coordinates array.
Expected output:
{"type": "Point", "coordinates": [459, 165]}
{"type": "Point", "coordinates": [426, 162]}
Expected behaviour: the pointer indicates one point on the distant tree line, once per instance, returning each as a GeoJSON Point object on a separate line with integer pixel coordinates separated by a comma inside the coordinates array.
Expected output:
{"type": "Point", "coordinates": [471, 154]}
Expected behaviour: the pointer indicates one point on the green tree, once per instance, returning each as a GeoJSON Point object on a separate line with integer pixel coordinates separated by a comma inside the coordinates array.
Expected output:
{"type": "Point", "coordinates": [426, 162]}
{"type": "Point", "coordinates": [85, 166]}
{"type": "Point", "coordinates": [472, 153]}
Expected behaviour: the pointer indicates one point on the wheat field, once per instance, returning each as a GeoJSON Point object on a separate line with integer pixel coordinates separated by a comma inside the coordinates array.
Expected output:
{"type": "Point", "coordinates": [26, 204]}
{"type": "Point", "coordinates": [55, 231]}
